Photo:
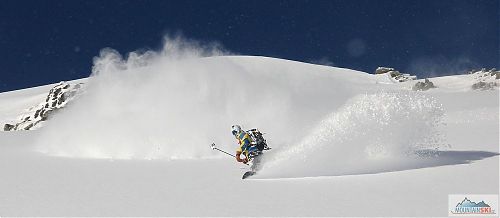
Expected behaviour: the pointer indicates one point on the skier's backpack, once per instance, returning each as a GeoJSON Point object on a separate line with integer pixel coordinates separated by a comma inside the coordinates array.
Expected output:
{"type": "Point", "coordinates": [258, 140]}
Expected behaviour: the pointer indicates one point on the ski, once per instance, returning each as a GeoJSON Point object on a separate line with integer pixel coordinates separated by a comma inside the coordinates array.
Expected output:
{"type": "Point", "coordinates": [248, 174]}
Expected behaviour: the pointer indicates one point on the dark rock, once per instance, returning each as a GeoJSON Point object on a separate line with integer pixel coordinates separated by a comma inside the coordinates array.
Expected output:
{"type": "Point", "coordinates": [29, 126]}
{"type": "Point", "coordinates": [484, 85]}
{"type": "Point", "coordinates": [61, 99]}
{"type": "Point", "coordinates": [495, 73]}
{"type": "Point", "coordinates": [37, 112]}
{"type": "Point", "coordinates": [8, 127]}
{"type": "Point", "coordinates": [423, 86]}
{"type": "Point", "coordinates": [45, 115]}
{"type": "Point", "coordinates": [382, 70]}
{"type": "Point", "coordinates": [395, 74]}
{"type": "Point", "coordinates": [57, 91]}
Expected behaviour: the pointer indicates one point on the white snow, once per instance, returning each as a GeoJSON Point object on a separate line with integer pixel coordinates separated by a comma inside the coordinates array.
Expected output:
{"type": "Point", "coordinates": [14, 102]}
{"type": "Point", "coordinates": [345, 143]}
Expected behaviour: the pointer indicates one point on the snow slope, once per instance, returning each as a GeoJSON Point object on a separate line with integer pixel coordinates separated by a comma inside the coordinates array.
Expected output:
{"type": "Point", "coordinates": [345, 143]}
{"type": "Point", "coordinates": [14, 102]}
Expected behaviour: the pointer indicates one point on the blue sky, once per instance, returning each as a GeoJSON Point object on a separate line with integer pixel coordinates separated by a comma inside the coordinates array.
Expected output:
{"type": "Point", "coordinates": [44, 41]}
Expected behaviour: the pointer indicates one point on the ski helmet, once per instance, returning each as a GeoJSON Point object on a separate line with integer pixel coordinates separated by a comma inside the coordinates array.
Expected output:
{"type": "Point", "coordinates": [235, 129]}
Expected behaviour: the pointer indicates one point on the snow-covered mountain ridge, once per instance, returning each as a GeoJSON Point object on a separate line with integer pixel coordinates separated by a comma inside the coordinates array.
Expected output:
{"type": "Point", "coordinates": [63, 92]}
{"type": "Point", "coordinates": [140, 135]}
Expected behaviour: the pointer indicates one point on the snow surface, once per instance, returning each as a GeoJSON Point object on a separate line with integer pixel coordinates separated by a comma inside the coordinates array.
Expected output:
{"type": "Point", "coordinates": [345, 143]}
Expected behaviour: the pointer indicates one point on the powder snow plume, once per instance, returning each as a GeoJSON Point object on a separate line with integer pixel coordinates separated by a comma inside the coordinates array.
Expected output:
{"type": "Point", "coordinates": [173, 103]}
{"type": "Point", "coordinates": [371, 133]}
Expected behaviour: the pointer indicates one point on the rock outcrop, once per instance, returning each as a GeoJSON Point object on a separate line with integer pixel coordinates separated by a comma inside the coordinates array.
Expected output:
{"type": "Point", "coordinates": [396, 75]}
{"type": "Point", "coordinates": [484, 85]}
{"type": "Point", "coordinates": [58, 98]}
{"type": "Point", "coordinates": [8, 127]}
{"type": "Point", "coordinates": [423, 86]}
{"type": "Point", "coordinates": [486, 80]}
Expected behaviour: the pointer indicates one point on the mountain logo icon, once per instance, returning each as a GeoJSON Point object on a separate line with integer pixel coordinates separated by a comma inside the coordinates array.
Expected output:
{"type": "Point", "coordinates": [467, 206]}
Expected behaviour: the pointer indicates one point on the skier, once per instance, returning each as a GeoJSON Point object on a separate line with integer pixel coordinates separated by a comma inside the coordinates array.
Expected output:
{"type": "Point", "coordinates": [246, 146]}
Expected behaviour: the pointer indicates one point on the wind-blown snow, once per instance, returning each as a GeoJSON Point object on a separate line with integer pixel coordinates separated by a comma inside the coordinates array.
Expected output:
{"type": "Point", "coordinates": [372, 133]}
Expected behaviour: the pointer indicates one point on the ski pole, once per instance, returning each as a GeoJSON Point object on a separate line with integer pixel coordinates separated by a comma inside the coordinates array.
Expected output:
{"type": "Point", "coordinates": [215, 148]}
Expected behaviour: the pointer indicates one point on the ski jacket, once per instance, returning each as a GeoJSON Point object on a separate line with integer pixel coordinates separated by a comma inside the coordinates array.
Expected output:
{"type": "Point", "coordinates": [245, 142]}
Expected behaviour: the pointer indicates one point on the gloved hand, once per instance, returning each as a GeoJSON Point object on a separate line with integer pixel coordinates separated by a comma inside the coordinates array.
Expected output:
{"type": "Point", "coordinates": [238, 157]}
